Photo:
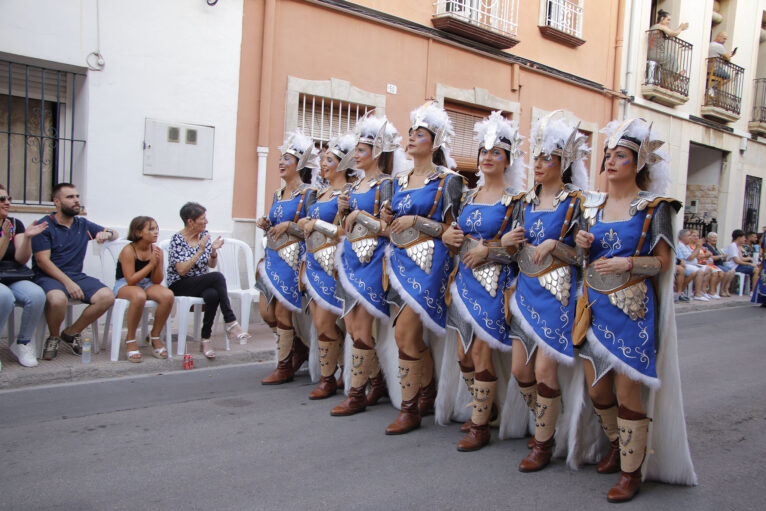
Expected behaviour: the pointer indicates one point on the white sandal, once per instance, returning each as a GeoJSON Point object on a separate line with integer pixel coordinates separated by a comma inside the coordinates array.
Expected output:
{"type": "Point", "coordinates": [209, 353]}
{"type": "Point", "coordinates": [133, 355]}
{"type": "Point", "coordinates": [161, 352]}
{"type": "Point", "coordinates": [242, 336]}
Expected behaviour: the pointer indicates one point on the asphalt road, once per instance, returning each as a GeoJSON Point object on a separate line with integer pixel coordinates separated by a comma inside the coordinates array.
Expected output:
{"type": "Point", "coordinates": [215, 439]}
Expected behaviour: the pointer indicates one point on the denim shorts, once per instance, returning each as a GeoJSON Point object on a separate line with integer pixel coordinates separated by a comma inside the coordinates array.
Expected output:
{"type": "Point", "coordinates": [143, 284]}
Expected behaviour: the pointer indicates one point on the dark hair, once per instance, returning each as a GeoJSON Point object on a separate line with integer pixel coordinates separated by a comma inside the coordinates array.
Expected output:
{"type": "Point", "coordinates": [191, 211]}
{"type": "Point", "coordinates": [305, 174]}
{"type": "Point", "coordinates": [386, 162]}
{"type": "Point", "coordinates": [471, 178]}
{"type": "Point", "coordinates": [662, 13]}
{"type": "Point", "coordinates": [57, 188]}
{"type": "Point", "coordinates": [137, 225]}
{"type": "Point", "coordinates": [749, 233]}
{"type": "Point", "coordinates": [736, 234]}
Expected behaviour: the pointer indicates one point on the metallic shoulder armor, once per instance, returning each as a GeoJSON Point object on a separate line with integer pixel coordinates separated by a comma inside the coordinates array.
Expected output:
{"type": "Point", "coordinates": [386, 190]}
{"type": "Point", "coordinates": [591, 203]}
{"type": "Point", "coordinates": [571, 189]}
{"type": "Point", "coordinates": [531, 197]}
{"type": "Point", "coordinates": [662, 225]}
{"type": "Point", "coordinates": [509, 195]}
{"type": "Point", "coordinates": [646, 199]}
{"type": "Point", "coordinates": [404, 178]}
{"type": "Point", "coordinates": [453, 191]}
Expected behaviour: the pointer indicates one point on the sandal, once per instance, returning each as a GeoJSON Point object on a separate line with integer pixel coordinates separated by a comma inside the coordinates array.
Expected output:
{"type": "Point", "coordinates": [133, 355]}
{"type": "Point", "coordinates": [161, 352]}
{"type": "Point", "coordinates": [209, 353]}
{"type": "Point", "coordinates": [241, 336]}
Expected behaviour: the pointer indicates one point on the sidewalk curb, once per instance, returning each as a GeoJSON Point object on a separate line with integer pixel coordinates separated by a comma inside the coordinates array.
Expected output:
{"type": "Point", "coordinates": [85, 372]}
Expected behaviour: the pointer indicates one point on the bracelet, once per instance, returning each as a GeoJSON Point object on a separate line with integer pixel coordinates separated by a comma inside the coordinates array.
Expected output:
{"type": "Point", "coordinates": [630, 264]}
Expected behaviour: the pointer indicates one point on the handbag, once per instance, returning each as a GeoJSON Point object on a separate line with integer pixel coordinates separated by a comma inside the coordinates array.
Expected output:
{"type": "Point", "coordinates": [11, 272]}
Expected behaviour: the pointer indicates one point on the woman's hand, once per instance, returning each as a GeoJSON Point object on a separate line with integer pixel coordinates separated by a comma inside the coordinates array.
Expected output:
{"type": "Point", "coordinates": [476, 256]}
{"type": "Point", "coordinates": [7, 227]}
{"type": "Point", "coordinates": [542, 250]}
{"type": "Point", "coordinates": [278, 230]}
{"type": "Point", "coordinates": [307, 224]}
{"type": "Point", "coordinates": [351, 220]}
{"type": "Point", "coordinates": [34, 229]}
{"type": "Point", "coordinates": [203, 243]}
{"type": "Point", "coordinates": [156, 257]}
{"type": "Point", "coordinates": [453, 236]}
{"type": "Point", "coordinates": [263, 223]}
{"type": "Point", "coordinates": [387, 214]}
{"type": "Point", "coordinates": [513, 238]}
{"type": "Point", "coordinates": [343, 202]}
{"type": "Point", "coordinates": [402, 223]}
{"type": "Point", "coordinates": [612, 265]}
{"type": "Point", "coordinates": [584, 239]}
{"type": "Point", "coordinates": [218, 243]}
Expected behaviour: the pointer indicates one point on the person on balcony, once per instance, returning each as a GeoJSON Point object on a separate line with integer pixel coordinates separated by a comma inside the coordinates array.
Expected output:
{"type": "Point", "coordinates": [718, 50]}
{"type": "Point", "coordinates": [659, 50]}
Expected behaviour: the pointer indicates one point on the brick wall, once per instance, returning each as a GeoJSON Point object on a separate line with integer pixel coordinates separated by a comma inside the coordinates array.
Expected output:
{"type": "Point", "coordinates": [706, 197]}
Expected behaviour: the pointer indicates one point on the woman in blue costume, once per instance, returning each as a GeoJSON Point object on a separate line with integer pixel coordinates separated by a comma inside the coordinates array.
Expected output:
{"type": "Point", "coordinates": [630, 348]}
{"type": "Point", "coordinates": [484, 275]}
{"type": "Point", "coordinates": [418, 264]}
{"type": "Point", "coordinates": [321, 228]}
{"type": "Point", "coordinates": [359, 259]}
{"type": "Point", "coordinates": [759, 288]}
{"type": "Point", "coordinates": [543, 306]}
{"type": "Point", "coordinates": [277, 275]}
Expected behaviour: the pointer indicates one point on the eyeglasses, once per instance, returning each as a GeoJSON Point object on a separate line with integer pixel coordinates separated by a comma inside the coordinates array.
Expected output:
{"type": "Point", "coordinates": [5, 198]}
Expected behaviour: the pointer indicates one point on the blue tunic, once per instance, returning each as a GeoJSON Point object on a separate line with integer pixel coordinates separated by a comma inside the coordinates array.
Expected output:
{"type": "Point", "coordinates": [550, 320]}
{"type": "Point", "coordinates": [759, 287]}
{"type": "Point", "coordinates": [421, 290]}
{"type": "Point", "coordinates": [363, 282]}
{"type": "Point", "coordinates": [487, 312]}
{"type": "Point", "coordinates": [631, 342]}
{"type": "Point", "coordinates": [281, 280]}
{"type": "Point", "coordinates": [321, 285]}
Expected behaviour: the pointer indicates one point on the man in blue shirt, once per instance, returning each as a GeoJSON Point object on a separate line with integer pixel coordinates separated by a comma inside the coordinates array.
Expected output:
{"type": "Point", "coordinates": [59, 253]}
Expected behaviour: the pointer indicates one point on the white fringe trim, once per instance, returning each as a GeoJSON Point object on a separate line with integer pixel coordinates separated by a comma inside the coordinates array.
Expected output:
{"type": "Point", "coordinates": [541, 344]}
{"type": "Point", "coordinates": [318, 298]}
{"type": "Point", "coordinates": [267, 282]}
{"type": "Point", "coordinates": [620, 366]}
{"type": "Point", "coordinates": [349, 288]}
{"type": "Point", "coordinates": [393, 280]}
{"type": "Point", "coordinates": [478, 331]}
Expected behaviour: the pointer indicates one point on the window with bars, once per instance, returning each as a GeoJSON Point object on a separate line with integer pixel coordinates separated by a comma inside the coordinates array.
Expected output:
{"type": "Point", "coordinates": [464, 149]}
{"type": "Point", "coordinates": [323, 118]}
{"type": "Point", "coordinates": [38, 146]}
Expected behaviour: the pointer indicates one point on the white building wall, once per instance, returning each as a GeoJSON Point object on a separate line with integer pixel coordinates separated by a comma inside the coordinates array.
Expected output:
{"type": "Point", "coordinates": [175, 60]}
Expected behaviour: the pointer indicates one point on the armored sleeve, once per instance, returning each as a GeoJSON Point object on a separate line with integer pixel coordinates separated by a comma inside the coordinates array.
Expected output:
{"type": "Point", "coordinates": [311, 198]}
{"type": "Point", "coordinates": [451, 198]}
{"type": "Point", "coordinates": [661, 226]}
{"type": "Point", "coordinates": [386, 191]}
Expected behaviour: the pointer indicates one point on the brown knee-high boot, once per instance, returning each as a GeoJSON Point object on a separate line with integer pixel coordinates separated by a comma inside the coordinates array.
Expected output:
{"type": "Point", "coordinates": [427, 396]}
{"type": "Point", "coordinates": [547, 412]}
{"type": "Point", "coordinates": [284, 371]}
{"type": "Point", "coordinates": [378, 389]}
{"type": "Point", "coordinates": [529, 393]}
{"type": "Point", "coordinates": [468, 373]}
{"type": "Point", "coordinates": [329, 350]}
{"type": "Point", "coordinates": [633, 429]}
{"type": "Point", "coordinates": [484, 388]}
{"type": "Point", "coordinates": [409, 378]}
{"type": "Point", "coordinates": [607, 417]}
{"type": "Point", "coordinates": [361, 362]}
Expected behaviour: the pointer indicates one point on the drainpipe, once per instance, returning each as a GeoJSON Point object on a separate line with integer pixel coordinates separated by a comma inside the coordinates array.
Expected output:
{"type": "Point", "coordinates": [618, 43]}
{"type": "Point", "coordinates": [264, 113]}
{"type": "Point", "coordinates": [634, 15]}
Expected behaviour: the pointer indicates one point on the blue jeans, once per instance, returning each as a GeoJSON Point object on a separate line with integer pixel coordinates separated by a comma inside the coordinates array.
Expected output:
{"type": "Point", "coordinates": [30, 296]}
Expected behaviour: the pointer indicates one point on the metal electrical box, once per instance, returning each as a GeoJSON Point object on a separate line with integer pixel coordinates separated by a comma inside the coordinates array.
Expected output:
{"type": "Point", "coordinates": [178, 150]}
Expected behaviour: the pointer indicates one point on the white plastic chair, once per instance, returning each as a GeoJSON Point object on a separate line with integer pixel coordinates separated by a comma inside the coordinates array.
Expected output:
{"type": "Point", "coordinates": [110, 252]}
{"type": "Point", "coordinates": [40, 332]}
{"type": "Point", "coordinates": [743, 283]}
{"type": "Point", "coordinates": [183, 304]}
{"type": "Point", "coordinates": [229, 265]}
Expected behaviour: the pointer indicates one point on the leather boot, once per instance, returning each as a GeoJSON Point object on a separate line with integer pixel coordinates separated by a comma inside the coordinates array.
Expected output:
{"type": "Point", "coordinates": [483, 398]}
{"type": "Point", "coordinates": [339, 379]}
{"type": "Point", "coordinates": [545, 426]}
{"type": "Point", "coordinates": [378, 389]}
{"type": "Point", "coordinates": [284, 371]}
{"type": "Point", "coordinates": [409, 379]}
{"type": "Point", "coordinates": [427, 396]}
{"type": "Point", "coordinates": [632, 439]}
{"type": "Point", "coordinates": [356, 401]}
{"type": "Point", "coordinates": [300, 354]}
{"type": "Point", "coordinates": [529, 393]}
{"type": "Point", "coordinates": [328, 362]}
{"type": "Point", "coordinates": [607, 417]}
{"type": "Point", "coordinates": [468, 374]}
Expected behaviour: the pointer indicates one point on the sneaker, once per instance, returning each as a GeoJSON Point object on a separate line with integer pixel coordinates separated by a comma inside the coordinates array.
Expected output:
{"type": "Point", "coordinates": [73, 341]}
{"type": "Point", "coordinates": [706, 295]}
{"type": "Point", "coordinates": [683, 298]}
{"type": "Point", "coordinates": [25, 353]}
{"type": "Point", "coordinates": [51, 348]}
{"type": "Point", "coordinates": [715, 297]}
{"type": "Point", "coordinates": [702, 298]}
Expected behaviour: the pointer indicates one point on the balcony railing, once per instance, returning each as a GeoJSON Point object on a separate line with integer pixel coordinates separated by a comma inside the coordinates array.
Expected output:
{"type": "Point", "coordinates": [757, 122]}
{"type": "Point", "coordinates": [493, 22]}
{"type": "Point", "coordinates": [668, 64]}
{"type": "Point", "coordinates": [562, 22]}
{"type": "Point", "coordinates": [723, 90]}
